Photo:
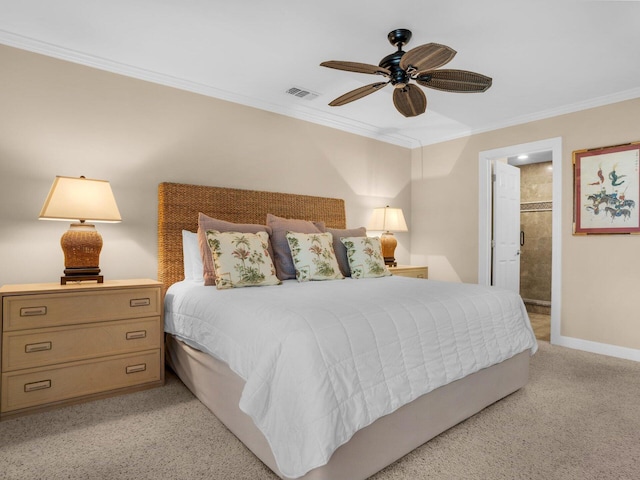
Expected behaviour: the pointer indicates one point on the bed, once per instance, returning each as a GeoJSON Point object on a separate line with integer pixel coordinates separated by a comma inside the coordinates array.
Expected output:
{"type": "Point", "coordinates": [367, 441]}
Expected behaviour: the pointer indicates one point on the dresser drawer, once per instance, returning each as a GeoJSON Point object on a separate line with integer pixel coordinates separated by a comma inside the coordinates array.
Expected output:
{"type": "Point", "coordinates": [37, 386]}
{"type": "Point", "coordinates": [22, 312]}
{"type": "Point", "coordinates": [48, 346]}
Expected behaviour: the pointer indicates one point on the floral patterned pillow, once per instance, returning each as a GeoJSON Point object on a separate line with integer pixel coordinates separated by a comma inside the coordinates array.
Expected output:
{"type": "Point", "coordinates": [365, 257]}
{"type": "Point", "coordinates": [339, 248]}
{"type": "Point", "coordinates": [313, 256]}
{"type": "Point", "coordinates": [241, 259]}
{"type": "Point", "coordinates": [281, 252]}
{"type": "Point", "coordinates": [205, 223]}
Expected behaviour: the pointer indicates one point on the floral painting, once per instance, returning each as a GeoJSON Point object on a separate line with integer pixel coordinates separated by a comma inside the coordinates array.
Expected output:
{"type": "Point", "coordinates": [607, 189]}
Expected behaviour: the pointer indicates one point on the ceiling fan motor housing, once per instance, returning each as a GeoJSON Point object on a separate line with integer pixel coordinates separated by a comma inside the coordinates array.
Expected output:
{"type": "Point", "coordinates": [399, 77]}
{"type": "Point", "coordinates": [398, 38]}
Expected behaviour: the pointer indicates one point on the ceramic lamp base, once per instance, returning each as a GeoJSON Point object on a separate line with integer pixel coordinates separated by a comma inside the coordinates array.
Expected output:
{"type": "Point", "coordinates": [388, 243]}
{"type": "Point", "coordinates": [81, 245]}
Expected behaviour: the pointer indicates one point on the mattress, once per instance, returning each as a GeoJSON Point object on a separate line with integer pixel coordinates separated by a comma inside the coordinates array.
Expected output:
{"type": "Point", "coordinates": [322, 360]}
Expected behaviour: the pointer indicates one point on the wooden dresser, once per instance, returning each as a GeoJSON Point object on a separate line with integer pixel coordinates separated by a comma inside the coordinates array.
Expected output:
{"type": "Point", "coordinates": [410, 271]}
{"type": "Point", "coordinates": [63, 344]}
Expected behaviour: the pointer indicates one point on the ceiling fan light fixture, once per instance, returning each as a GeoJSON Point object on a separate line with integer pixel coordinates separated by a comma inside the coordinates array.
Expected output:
{"type": "Point", "coordinates": [399, 78]}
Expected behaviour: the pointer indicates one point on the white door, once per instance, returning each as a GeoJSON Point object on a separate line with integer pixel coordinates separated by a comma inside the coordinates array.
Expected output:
{"type": "Point", "coordinates": [506, 226]}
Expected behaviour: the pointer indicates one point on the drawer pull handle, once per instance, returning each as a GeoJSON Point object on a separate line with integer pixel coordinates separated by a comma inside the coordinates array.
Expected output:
{"type": "Point", "coordinates": [32, 311]}
{"type": "Point", "coordinates": [32, 387]}
{"type": "Point", "coordinates": [37, 347]}
{"type": "Point", "coordinates": [139, 302]}
{"type": "Point", "coordinates": [136, 368]}
{"type": "Point", "coordinates": [136, 335]}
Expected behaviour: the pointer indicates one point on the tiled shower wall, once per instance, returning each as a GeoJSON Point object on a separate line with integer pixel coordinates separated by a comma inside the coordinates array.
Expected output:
{"type": "Point", "coordinates": [535, 223]}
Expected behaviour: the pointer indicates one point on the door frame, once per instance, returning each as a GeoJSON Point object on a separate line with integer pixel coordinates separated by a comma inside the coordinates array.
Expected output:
{"type": "Point", "coordinates": [486, 221]}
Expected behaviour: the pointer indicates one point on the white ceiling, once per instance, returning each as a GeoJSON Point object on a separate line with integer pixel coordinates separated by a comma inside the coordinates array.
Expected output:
{"type": "Point", "coordinates": [545, 57]}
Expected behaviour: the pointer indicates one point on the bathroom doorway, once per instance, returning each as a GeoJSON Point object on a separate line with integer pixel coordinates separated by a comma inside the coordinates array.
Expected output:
{"type": "Point", "coordinates": [552, 150]}
{"type": "Point", "coordinates": [536, 207]}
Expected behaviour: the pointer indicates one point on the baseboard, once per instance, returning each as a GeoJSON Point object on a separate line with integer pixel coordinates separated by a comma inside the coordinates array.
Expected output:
{"type": "Point", "coordinates": [595, 347]}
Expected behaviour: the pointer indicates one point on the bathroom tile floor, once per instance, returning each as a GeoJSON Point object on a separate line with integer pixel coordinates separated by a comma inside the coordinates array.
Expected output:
{"type": "Point", "coordinates": [541, 325]}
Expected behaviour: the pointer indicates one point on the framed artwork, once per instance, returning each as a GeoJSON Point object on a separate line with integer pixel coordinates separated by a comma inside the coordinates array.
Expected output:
{"type": "Point", "coordinates": [607, 189]}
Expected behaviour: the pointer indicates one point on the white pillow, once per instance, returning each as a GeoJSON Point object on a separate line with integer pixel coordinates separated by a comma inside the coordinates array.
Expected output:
{"type": "Point", "coordinates": [313, 256]}
{"type": "Point", "coordinates": [191, 256]}
{"type": "Point", "coordinates": [365, 257]}
{"type": "Point", "coordinates": [241, 259]}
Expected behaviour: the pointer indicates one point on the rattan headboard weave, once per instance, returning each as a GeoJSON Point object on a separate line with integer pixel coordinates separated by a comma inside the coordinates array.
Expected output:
{"type": "Point", "coordinates": [179, 205]}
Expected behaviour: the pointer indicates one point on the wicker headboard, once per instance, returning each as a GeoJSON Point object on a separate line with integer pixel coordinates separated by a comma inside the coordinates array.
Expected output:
{"type": "Point", "coordinates": [179, 205]}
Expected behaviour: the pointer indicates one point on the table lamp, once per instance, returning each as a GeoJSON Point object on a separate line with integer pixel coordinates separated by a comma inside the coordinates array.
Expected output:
{"type": "Point", "coordinates": [388, 220]}
{"type": "Point", "coordinates": [81, 199]}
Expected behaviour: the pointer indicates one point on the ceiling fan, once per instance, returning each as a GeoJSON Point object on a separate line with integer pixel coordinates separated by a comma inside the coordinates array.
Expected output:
{"type": "Point", "coordinates": [418, 64]}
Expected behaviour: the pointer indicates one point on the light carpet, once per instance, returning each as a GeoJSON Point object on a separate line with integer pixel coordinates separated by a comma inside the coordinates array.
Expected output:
{"type": "Point", "coordinates": [577, 418]}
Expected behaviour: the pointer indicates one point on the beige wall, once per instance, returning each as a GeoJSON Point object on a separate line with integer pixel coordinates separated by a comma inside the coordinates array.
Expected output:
{"type": "Point", "coordinates": [60, 118]}
{"type": "Point", "coordinates": [600, 274]}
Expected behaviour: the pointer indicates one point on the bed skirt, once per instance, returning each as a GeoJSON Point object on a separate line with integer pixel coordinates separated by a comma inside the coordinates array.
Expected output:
{"type": "Point", "coordinates": [375, 446]}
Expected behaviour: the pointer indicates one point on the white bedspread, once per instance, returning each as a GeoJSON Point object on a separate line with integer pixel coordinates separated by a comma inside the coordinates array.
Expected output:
{"type": "Point", "coordinates": [322, 360]}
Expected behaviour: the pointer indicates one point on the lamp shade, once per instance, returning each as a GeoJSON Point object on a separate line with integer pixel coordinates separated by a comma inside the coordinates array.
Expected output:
{"type": "Point", "coordinates": [73, 198]}
{"type": "Point", "coordinates": [388, 219]}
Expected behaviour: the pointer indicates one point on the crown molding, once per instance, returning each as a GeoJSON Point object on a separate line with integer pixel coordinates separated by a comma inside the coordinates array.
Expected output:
{"type": "Point", "coordinates": [545, 114]}
{"type": "Point", "coordinates": [299, 112]}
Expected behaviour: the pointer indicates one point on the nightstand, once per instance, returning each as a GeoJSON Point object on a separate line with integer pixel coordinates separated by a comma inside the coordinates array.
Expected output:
{"type": "Point", "coordinates": [410, 271]}
{"type": "Point", "coordinates": [63, 344]}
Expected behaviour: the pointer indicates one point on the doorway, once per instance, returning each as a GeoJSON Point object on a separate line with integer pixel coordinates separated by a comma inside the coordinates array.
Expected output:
{"type": "Point", "coordinates": [486, 221]}
{"type": "Point", "coordinates": [535, 211]}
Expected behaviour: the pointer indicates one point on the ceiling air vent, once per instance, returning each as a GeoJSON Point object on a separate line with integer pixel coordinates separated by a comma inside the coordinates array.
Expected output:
{"type": "Point", "coordinates": [302, 93]}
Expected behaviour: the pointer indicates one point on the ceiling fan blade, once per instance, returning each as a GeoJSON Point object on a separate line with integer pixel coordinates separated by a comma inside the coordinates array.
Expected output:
{"type": "Point", "coordinates": [427, 57]}
{"type": "Point", "coordinates": [454, 81]}
{"type": "Point", "coordinates": [356, 67]}
{"type": "Point", "coordinates": [410, 100]}
{"type": "Point", "coordinates": [357, 93]}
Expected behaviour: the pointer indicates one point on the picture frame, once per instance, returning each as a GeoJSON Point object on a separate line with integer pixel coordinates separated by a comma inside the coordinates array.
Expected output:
{"type": "Point", "coordinates": [607, 190]}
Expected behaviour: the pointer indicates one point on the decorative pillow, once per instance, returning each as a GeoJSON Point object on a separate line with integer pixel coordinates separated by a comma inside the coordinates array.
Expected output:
{"type": "Point", "coordinates": [192, 261]}
{"type": "Point", "coordinates": [365, 257]}
{"type": "Point", "coordinates": [339, 248]}
{"type": "Point", "coordinates": [208, 223]}
{"type": "Point", "coordinates": [313, 256]}
{"type": "Point", "coordinates": [241, 259]}
{"type": "Point", "coordinates": [281, 252]}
